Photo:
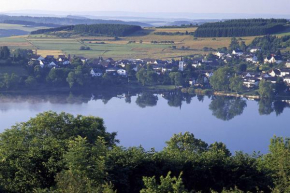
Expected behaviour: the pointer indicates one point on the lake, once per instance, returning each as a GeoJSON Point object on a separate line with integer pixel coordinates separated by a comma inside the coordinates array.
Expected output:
{"type": "Point", "coordinates": [150, 120]}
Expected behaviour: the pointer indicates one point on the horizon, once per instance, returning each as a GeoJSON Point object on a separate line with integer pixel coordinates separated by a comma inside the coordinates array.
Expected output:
{"type": "Point", "coordinates": [151, 9]}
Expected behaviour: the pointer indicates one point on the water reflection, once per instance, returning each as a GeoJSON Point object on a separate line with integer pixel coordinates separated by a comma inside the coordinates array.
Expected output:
{"type": "Point", "coordinates": [223, 108]}
{"type": "Point", "coordinates": [146, 100]}
{"type": "Point", "coordinates": [226, 108]}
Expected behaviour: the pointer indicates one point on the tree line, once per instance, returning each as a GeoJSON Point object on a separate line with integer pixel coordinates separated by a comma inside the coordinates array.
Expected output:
{"type": "Point", "coordinates": [95, 29]}
{"type": "Point", "coordinates": [65, 153]}
{"type": "Point", "coordinates": [271, 44]}
{"type": "Point", "coordinates": [174, 33]}
{"type": "Point", "coordinates": [241, 27]}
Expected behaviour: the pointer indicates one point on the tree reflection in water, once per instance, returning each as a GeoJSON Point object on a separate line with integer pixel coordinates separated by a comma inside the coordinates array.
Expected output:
{"type": "Point", "coordinates": [146, 100]}
{"type": "Point", "coordinates": [226, 108]}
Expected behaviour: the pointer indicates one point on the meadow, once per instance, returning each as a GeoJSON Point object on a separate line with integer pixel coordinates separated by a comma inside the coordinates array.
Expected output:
{"type": "Point", "coordinates": [136, 46]}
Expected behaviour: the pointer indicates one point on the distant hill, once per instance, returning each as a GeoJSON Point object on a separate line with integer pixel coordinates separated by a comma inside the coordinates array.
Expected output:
{"type": "Point", "coordinates": [76, 17]}
{"type": "Point", "coordinates": [12, 32]}
{"type": "Point", "coordinates": [94, 29]}
{"type": "Point", "coordinates": [70, 20]}
{"type": "Point", "coordinates": [241, 27]}
{"type": "Point", "coordinates": [30, 23]}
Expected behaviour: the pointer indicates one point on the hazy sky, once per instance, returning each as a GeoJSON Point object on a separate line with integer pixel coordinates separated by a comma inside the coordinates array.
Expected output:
{"type": "Point", "coordinates": [190, 6]}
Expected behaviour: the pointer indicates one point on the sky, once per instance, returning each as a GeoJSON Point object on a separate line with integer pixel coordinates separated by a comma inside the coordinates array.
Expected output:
{"type": "Point", "coordinates": [281, 7]}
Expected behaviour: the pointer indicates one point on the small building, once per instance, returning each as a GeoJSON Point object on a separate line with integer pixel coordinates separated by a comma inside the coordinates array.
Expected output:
{"type": "Point", "coordinates": [219, 54]}
{"type": "Point", "coordinates": [255, 49]}
{"type": "Point", "coordinates": [275, 73]}
{"type": "Point", "coordinates": [40, 58]}
{"type": "Point", "coordinates": [112, 71]}
{"type": "Point", "coordinates": [122, 72]}
{"type": "Point", "coordinates": [284, 72]}
{"type": "Point", "coordinates": [253, 59]}
{"type": "Point", "coordinates": [273, 59]}
{"type": "Point", "coordinates": [181, 66]}
{"type": "Point", "coordinates": [287, 64]}
{"type": "Point", "coordinates": [251, 82]}
{"type": "Point", "coordinates": [287, 79]}
{"type": "Point", "coordinates": [52, 64]}
{"type": "Point", "coordinates": [66, 62]}
{"type": "Point", "coordinates": [96, 73]}
{"type": "Point", "coordinates": [238, 52]}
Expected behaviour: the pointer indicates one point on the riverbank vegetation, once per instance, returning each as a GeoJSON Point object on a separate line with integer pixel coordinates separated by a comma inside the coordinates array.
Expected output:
{"type": "Point", "coordinates": [64, 153]}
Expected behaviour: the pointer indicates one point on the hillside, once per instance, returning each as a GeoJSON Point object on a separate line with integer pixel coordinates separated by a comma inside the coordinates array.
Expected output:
{"type": "Point", "coordinates": [66, 20]}
{"type": "Point", "coordinates": [94, 30]}
{"type": "Point", "coordinates": [242, 27]}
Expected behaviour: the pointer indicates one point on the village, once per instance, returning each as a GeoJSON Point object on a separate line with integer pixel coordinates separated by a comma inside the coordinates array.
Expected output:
{"type": "Point", "coordinates": [203, 66]}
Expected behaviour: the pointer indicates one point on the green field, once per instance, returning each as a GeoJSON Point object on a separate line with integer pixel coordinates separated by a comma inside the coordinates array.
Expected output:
{"type": "Point", "coordinates": [121, 48]}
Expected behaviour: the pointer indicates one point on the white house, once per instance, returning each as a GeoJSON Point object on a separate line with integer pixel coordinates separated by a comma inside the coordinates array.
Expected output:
{"type": "Point", "coordinates": [254, 50]}
{"type": "Point", "coordinates": [275, 72]}
{"type": "Point", "coordinates": [219, 54]}
{"type": "Point", "coordinates": [253, 59]}
{"type": "Point", "coordinates": [181, 66]}
{"type": "Point", "coordinates": [122, 72]}
{"type": "Point", "coordinates": [96, 73]}
{"type": "Point", "coordinates": [251, 82]}
{"type": "Point", "coordinates": [40, 58]}
{"type": "Point", "coordinates": [238, 52]}
{"type": "Point", "coordinates": [287, 64]}
{"type": "Point", "coordinates": [287, 79]}
{"type": "Point", "coordinates": [208, 74]}
{"type": "Point", "coordinates": [52, 64]}
{"type": "Point", "coordinates": [41, 63]}
{"type": "Point", "coordinates": [273, 59]}
{"type": "Point", "coordinates": [66, 62]}
{"type": "Point", "coordinates": [284, 72]}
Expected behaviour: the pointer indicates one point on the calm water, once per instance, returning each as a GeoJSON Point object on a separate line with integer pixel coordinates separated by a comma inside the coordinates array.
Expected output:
{"type": "Point", "coordinates": [150, 120]}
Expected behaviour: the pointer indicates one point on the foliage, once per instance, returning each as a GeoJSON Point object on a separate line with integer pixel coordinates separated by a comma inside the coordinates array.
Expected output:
{"type": "Point", "coordinates": [146, 100]}
{"type": "Point", "coordinates": [236, 84]}
{"type": "Point", "coordinates": [226, 108]}
{"type": "Point", "coordinates": [4, 52]}
{"type": "Point", "coordinates": [167, 184]}
{"type": "Point", "coordinates": [265, 89]}
{"type": "Point", "coordinates": [221, 79]}
{"type": "Point", "coordinates": [33, 153]}
{"type": "Point", "coordinates": [62, 153]}
{"type": "Point", "coordinates": [95, 29]}
{"type": "Point", "coordinates": [241, 27]}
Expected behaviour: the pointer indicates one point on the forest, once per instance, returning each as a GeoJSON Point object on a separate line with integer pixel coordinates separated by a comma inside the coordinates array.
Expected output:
{"type": "Point", "coordinates": [95, 29]}
{"type": "Point", "coordinates": [241, 27]}
{"type": "Point", "coordinates": [62, 153]}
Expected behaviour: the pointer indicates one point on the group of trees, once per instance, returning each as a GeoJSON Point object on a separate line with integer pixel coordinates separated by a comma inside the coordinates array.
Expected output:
{"type": "Point", "coordinates": [147, 76]}
{"type": "Point", "coordinates": [241, 27]}
{"type": "Point", "coordinates": [85, 48]}
{"type": "Point", "coordinates": [174, 33]}
{"type": "Point", "coordinates": [62, 153]}
{"type": "Point", "coordinates": [162, 42]}
{"type": "Point", "coordinates": [95, 29]}
{"type": "Point", "coordinates": [224, 79]}
{"type": "Point", "coordinates": [4, 53]}
{"type": "Point", "coordinates": [271, 44]}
